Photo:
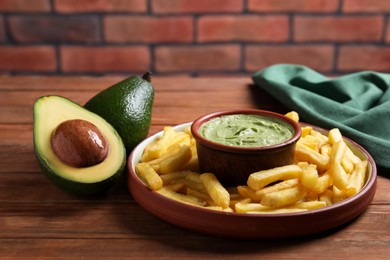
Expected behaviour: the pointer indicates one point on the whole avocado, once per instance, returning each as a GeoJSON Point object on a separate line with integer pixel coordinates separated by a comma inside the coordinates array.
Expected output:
{"type": "Point", "coordinates": [127, 106]}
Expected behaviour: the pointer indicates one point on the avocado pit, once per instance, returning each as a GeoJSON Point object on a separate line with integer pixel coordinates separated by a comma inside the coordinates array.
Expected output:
{"type": "Point", "coordinates": [79, 143]}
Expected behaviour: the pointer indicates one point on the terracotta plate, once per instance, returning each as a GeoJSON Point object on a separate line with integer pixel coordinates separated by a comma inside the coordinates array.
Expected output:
{"type": "Point", "coordinates": [239, 225]}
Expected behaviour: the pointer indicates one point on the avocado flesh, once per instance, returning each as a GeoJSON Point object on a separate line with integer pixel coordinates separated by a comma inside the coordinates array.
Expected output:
{"type": "Point", "coordinates": [127, 106]}
{"type": "Point", "coordinates": [49, 112]}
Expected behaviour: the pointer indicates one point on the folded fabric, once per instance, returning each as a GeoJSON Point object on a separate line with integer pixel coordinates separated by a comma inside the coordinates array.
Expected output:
{"type": "Point", "coordinates": [358, 104]}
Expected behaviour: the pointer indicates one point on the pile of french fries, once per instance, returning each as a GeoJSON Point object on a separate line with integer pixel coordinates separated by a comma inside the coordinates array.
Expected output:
{"type": "Point", "coordinates": [325, 171]}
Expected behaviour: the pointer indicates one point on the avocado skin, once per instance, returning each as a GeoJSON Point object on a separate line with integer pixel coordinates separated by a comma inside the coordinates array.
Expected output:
{"type": "Point", "coordinates": [127, 106]}
{"type": "Point", "coordinates": [77, 188]}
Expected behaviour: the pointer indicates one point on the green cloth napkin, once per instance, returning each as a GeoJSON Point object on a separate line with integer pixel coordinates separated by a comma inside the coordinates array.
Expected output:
{"type": "Point", "coordinates": [358, 104]}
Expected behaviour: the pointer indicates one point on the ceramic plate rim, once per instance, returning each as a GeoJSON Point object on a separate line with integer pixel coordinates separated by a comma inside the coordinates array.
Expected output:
{"type": "Point", "coordinates": [135, 156]}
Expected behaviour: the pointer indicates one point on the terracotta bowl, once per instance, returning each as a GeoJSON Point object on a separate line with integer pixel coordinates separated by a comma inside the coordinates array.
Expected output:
{"type": "Point", "coordinates": [233, 164]}
{"type": "Point", "coordinates": [250, 226]}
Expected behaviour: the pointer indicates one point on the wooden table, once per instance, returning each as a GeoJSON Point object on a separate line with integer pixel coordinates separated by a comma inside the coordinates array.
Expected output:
{"type": "Point", "coordinates": [37, 220]}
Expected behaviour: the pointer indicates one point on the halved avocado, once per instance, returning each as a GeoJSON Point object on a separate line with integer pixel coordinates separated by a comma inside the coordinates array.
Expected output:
{"type": "Point", "coordinates": [51, 111]}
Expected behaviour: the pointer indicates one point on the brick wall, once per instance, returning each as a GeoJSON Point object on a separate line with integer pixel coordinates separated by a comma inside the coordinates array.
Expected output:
{"type": "Point", "coordinates": [192, 36]}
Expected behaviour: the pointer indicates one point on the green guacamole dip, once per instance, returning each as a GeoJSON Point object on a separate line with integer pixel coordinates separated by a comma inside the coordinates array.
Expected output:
{"type": "Point", "coordinates": [246, 130]}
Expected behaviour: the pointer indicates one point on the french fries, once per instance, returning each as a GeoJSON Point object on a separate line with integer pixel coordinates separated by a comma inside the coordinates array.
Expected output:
{"type": "Point", "coordinates": [309, 177]}
{"type": "Point", "coordinates": [340, 177]}
{"type": "Point", "coordinates": [176, 161]}
{"type": "Point", "coordinates": [356, 181]}
{"type": "Point", "coordinates": [215, 190]}
{"type": "Point", "coordinates": [283, 197]}
{"type": "Point", "coordinates": [257, 195]}
{"type": "Point", "coordinates": [325, 171]}
{"type": "Point", "coordinates": [304, 153]}
{"type": "Point", "coordinates": [261, 179]}
{"type": "Point", "coordinates": [187, 199]}
{"type": "Point", "coordinates": [149, 175]}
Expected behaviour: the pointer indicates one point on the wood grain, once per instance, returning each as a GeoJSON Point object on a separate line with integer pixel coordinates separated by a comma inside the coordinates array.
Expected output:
{"type": "Point", "coordinates": [37, 220]}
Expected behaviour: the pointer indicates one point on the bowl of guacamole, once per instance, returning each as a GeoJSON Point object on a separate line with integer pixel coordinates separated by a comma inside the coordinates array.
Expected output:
{"type": "Point", "coordinates": [233, 144]}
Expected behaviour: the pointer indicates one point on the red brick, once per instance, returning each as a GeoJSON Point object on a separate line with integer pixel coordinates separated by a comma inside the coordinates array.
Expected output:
{"type": "Point", "coordinates": [250, 28]}
{"type": "Point", "coordinates": [86, 6]}
{"type": "Point", "coordinates": [27, 59]}
{"type": "Point", "coordinates": [302, 6]}
{"type": "Point", "coordinates": [318, 57]}
{"type": "Point", "coordinates": [338, 29]}
{"type": "Point", "coordinates": [365, 6]}
{"type": "Point", "coordinates": [198, 6]}
{"type": "Point", "coordinates": [28, 29]}
{"type": "Point", "coordinates": [356, 58]}
{"type": "Point", "coordinates": [387, 36]}
{"type": "Point", "coordinates": [148, 29]}
{"type": "Point", "coordinates": [104, 59]}
{"type": "Point", "coordinates": [197, 58]}
{"type": "Point", "coordinates": [22, 6]}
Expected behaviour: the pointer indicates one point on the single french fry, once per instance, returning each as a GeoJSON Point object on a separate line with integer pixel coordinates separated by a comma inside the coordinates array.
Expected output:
{"type": "Point", "coordinates": [216, 208]}
{"type": "Point", "coordinates": [293, 115]}
{"type": "Point", "coordinates": [338, 195]}
{"type": "Point", "coordinates": [247, 192]}
{"type": "Point", "coordinates": [312, 196]}
{"type": "Point", "coordinates": [242, 207]}
{"type": "Point", "coordinates": [187, 130]}
{"type": "Point", "coordinates": [155, 163]}
{"type": "Point", "coordinates": [325, 150]}
{"type": "Point", "coordinates": [191, 200]}
{"type": "Point", "coordinates": [357, 179]}
{"type": "Point", "coordinates": [305, 153]}
{"type": "Point", "coordinates": [176, 161]}
{"type": "Point", "coordinates": [146, 155]}
{"type": "Point", "coordinates": [215, 189]}
{"type": "Point", "coordinates": [322, 139]}
{"type": "Point", "coordinates": [309, 205]}
{"type": "Point", "coordinates": [338, 151]}
{"type": "Point", "coordinates": [262, 178]}
{"type": "Point", "coordinates": [339, 176]}
{"type": "Point", "coordinates": [309, 176]}
{"type": "Point", "coordinates": [327, 197]}
{"type": "Point", "coordinates": [324, 182]}
{"type": "Point", "coordinates": [257, 195]}
{"type": "Point", "coordinates": [167, 178]}
{"type": "Point", "coordinates": [191, 184]}
{"type": "Point", "coordinates": [234, 201]}
{"type": "Point", "coordinates": [149, 175]}
{"type": "Point", "coordinates": [193, 176]}
{"type": "Point", "coordinates": [283, 197]}
{"type": "Point", "coordinates": [311, 141]}
{"type": "Point", "coordinates": [347, 163]}
{"type": "Point", "coordinates": [306, 130]}
{"type": "Point", "coordinates": [157, 148]}
{"type": "Point", "coordinates": [302, 164]}
{"type": "Point", "coordinates": [352, 156]}
{"type": "Point", "coordinates": [277, 211]}
{"type": "Point", "coordinates": [229, 209]}
{"type": "Point", "coordinates": [181, 138]}
{"type": "Point", "coordinates": [176, 187]}
{"type": "Point", "coordinates": [198, 194]}
{"type": "Point", "coordinates": [334, 136]}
